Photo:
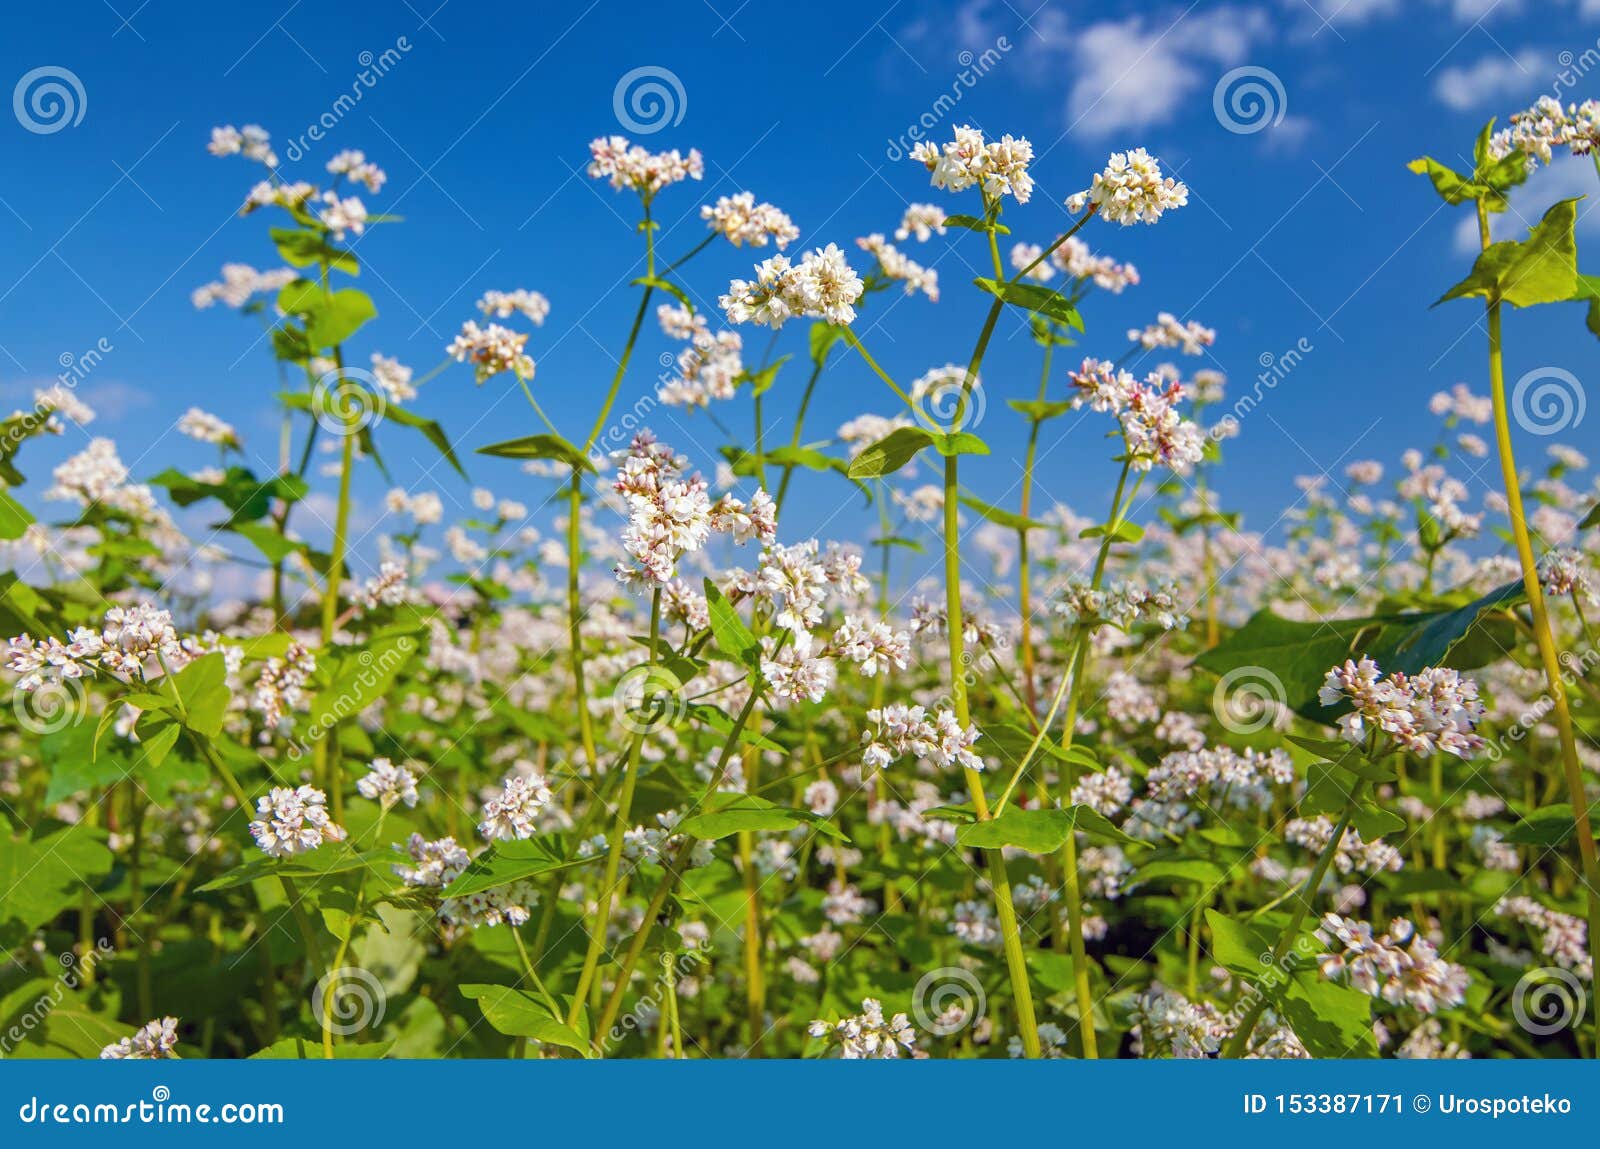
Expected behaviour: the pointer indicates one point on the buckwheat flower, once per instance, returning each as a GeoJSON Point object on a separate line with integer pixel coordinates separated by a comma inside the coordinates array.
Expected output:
{"type": "Point", "coordinates": [1074, 257]}
{"type": "Point", "coordinates": [1569, 458]}
{"type": "Point", "coordinates": [895, 265]}
{"type": "Point", "coordinates": [250, 141]}
{"type": "Point", "coordinates": [1433, 710]}
{"type": "Point", "coordinates": [156, 1040]}
{"type": "Point", "coordinates": [502, 304]}
{"type": "Point", "coordinates": [999, 168]}
{"type": "Point", "coordinates": [514, 812]}
{"type": "Point", "coordinates": [491, 350]}
{"type": "Point", "coordinates": [134, 637]}
{"type": "Point", "coordinates": [798, 671]}
{"type": "Point", "coordinates": [1156, 432]}
{"type": "Point", "coordinates": [393, 379]}
{"type": "Point", "coordinates": [1105, 793]}
{"type": "Point", "coordinates": [511, 904]}
{"type": "Point", "coordinates": [1165, 1023]}
{"type": "Point", "coordinates": [821, 797]}
{"type": "Point", "coordinates": [284, 195]}
{"type": "Point", "coordinates": [290, 822]}
{"type": "Point", "coordinates": [742, 220]}
{"type": "Point", "coordinates": [1131, 190]}
{"type": "Point", "coordinates": [1053, 1044]}
{"type": "Point", "coordinates": [1537, 131]}
{"type": "Point", "coordinates": [867, 1034]}
{"type": "Point", "coordinates": [353, 166]}
{"type": "Point", "coordinates": [1100, 385]}
{"type": "Point", "coordinates": [1023, 256]}
{"type": "Point", "coordinates": [844, 905]}
{"type": "Point", "coordinates": [207, 428]}
{"type": "Point", "coordinates": [388, 784]}
{"type": "Point", "coordinates": [1353, 853]}
{"type": "Point", "coordinates": [435, 864]}
{"type": "Point", "coordinates": [710, 368]}
{"type": "Point", "coordinates": [1169, 331]}
{"type": "Point", "coordinates": [864, 430]}
{"type": "Point", "coordinates": [871, 644]}
{"type": "Point", "coordinates": [922, 220]}
{"type": "Point", "coordinates": [793, 578]}
{"type": "Point", "coordinates": [1400, 966]}
{"type": "Point", "coordinates": [240, 283]}
{"type": "Point", "coordinates": [627, 166]}
{"type": "Point", "coordinates": [756, 520]}
{"type": "Point", "coordinates": [280, 690]}
{"type": "Point", "coordinates": [1564, 938]}
{"type": "Point", "coordinates": [57, 399]}
{"type": "Point", "coordinates": [1364, 472]}
{"type": "Point", "coordinates": [89, 476]}
{"type": "Point", "coordinates": [1460, 404]}
{"type": "Point", "coordinates": [1561, 572]}
{"type": "Point", "coordinates": [340, 215]}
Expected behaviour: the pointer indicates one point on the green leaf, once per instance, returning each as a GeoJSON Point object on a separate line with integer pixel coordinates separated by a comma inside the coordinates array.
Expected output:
{"type": "Point", "coordinates": [1033, 297]}
{"type": "Point", "coordinates": [1592, 519]}
{"type": "Point", "coordinates": [518, 1013]}
{"type": "Point", "coordinates": [430, 429]}
{"type": "Point", "coordinates": [724, 814]}
{"type": "Point", "coordinates": [890, 453]}
{"type": "Point", "coordinates": [823, 336]}
{"type": "Point", "coordinates": [1453, 187]}
{"type": "Point", "coordinates": [1002, 517]}
{"type": "Point", "coordinates": [974, 223]}
{"type": "Point", "coordinates": [540, 447]}
{"type": "Point", "coordinates": [362, 676]}
{"type": "Point", "coordinates": [302, 248]}
{"type": "Point", "coordinates": [1039, 410]}
{"type": "Point", "coordinates": [203, 687]}
{"type": "Point", "coordinates": [667, 286]}
{"type": "Point", "coordinates": [44, 873]}
{"type": "Point", "coordinates": [14, 517]}
{"type": "Point", "coordinates": [1552, 825]}
{"type": "Point", "coordinates": [330, 317]}
{"type": "Point", "coordinates": [732, 636]}
{"type": "Point", "coordinates": [1540, 269]}
{"type": "Point", "coordinates": [1331, 1020]}
{"type": "Point", "coordinates": [720, 721]}
{"type": "Point", "coordinates": [1125, 531]}
{"type": "Point", "coordinates": [513, 861]}
{"type": "Point", "coordinates": [322, 862]}
{"type": "Point", "coordinates": [1239, 946]}
{"type": "Point", "coordinates": [1039, 831]}
{"type": "Point", "coordinates": [310, 1049]}
{"type": "Point", "coordinates": [761, 381]}
{"type": "Point", "coordinates": [154, 747]}
{"type": "Point", "coordinates": [268, 540]}
{"type": "Point", "coordinates": [1195, 870]}
{"type": "Point", "coordinates": [954, 443]}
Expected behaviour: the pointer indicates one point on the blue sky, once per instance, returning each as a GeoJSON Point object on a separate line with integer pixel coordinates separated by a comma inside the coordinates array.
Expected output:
{"type": "Point", "coordinates": [1308, 230]}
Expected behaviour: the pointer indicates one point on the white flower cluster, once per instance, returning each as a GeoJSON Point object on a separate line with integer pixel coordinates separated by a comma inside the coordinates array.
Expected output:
{"type": "Point", "coordinates": [1561, 572]}
{"type": "Point", "coordinates": [1354, 853]}
{"type": "Point", "coordinates": [662, 842]}
{"type": "Point", "coordinates": [899, 729]}
{"type": "Point", "coordinates": [1564, 938]}
{"type": "Point", "coordinates": [1537, 131]}
{"type": "Point", "coordinates": [153, 1041]}
{"type": "Point", "coordinates": [628, 166]}
{"type": "Point", "coordinates": [388, 784]}
{"type": "Point", "coordinates": [340, 214]}
{"type": "Point", "coordinates": [58, 399]}
{"type": "Point", "coordinates": [742, 220]}
{"type": "Point", "coordinates": [251, 141]}
{"type": "Point", "coordinates": [1122, 604]}
{"type": "Point", "coordinates": [386, 588]}
{"type": "Point", "coordinates": [207, 428]}
{"type": "Point", "coordinates": [531, 305]}
{"type": "Point", "coordinates": [709, 368]}
{"type": "Point", "coordinates": [239, 283]}
{"type": "Point", "coordinates": [1167, 1023]}
{"type": "Point", "coordinates": [999, 167]}
{"type": "Point", "coordinates": [1168, 330]}
{"type": "Point", "coordinates": [435, 864]}
{"type": "Point", "coordinates": [290, 822]}
{"type": "Point", "coordinates": [131, 641]}
{"type": "Point", "coordinates": [1105, 793]}
{"type": "Point", "coordinates": [491, 349]}
{"type": "Point", "coordinates": [868, 1034]}
{"type": "Point", "coordinates": [354, 166]}
{"type": "Point", "coordinates": [670, 513]}
{"type": "Point", "coordinates": [1148, 411]}
{"type": "Point", "coordinates": [821, 286]}
{"type": "Point", "coordinates": [514, 813]}
{"type": "Point", "coordinates": [896, 265]}
{"type": "Point", "coordinates": [1434, 710]}
{"type": "Point", "coordinates": [1074, 258]}
{"type": "Point", "coordinates": [922, 220]}
{"type": "Point", "coordinates": [1131, 190]}
{"type": "Point", "coordinates": [1400, 966]}
{"type": "Point", "coordinates": [1242, 778]}
{"type": "Point", "coordinates": [280, 690]}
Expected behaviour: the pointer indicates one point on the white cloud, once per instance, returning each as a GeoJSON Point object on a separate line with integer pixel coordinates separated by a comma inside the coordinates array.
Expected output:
{"type": "Point", "coordinates": [113, 400]}
{"type": "Point", "coordinates": [1566, 178]}
{"type": "Point", "coordinates": [1134, 73]}
{"type": "Point", "coordinates": [1489, 80]}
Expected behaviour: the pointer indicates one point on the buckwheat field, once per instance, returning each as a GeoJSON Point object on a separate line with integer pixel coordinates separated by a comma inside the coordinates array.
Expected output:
{"type": "Point", "coordinates": [606, 760]}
